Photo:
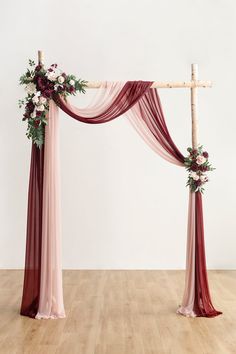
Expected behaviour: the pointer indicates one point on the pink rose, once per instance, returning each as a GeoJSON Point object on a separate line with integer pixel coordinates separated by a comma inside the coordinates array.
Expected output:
{"type": "Point", "coordinates": [200, 160]}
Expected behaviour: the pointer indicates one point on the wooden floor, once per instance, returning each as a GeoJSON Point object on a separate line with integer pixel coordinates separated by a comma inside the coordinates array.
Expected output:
{"type": "Point", "coordinates": [120, 312]}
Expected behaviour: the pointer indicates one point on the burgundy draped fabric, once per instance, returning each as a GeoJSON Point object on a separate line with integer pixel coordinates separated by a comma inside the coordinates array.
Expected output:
{"type": "Point", "coordinates": [131, 92]}
{"type": "Point", "coordinates": [149, 109]}
{"type": "Point", "coordinates": [31, 288]}
{"type": "Point", "coordinates": [203, 306]}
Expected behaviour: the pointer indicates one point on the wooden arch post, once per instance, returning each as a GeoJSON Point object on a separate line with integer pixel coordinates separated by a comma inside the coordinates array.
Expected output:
{"type": "Point", "coordinates": [40, 57]}
{"type": "Point", "coordinates": [194, 79]}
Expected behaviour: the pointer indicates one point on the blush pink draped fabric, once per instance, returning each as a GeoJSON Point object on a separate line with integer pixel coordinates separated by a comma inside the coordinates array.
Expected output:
{"type": "Point", "coordinates": [51, 293]}
{"type": "Point", "coordinates": [187, 306]}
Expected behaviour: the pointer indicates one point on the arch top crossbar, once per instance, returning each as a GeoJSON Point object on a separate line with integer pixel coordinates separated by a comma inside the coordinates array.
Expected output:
{"type": "Point", "coordinates": [192, 84]}
{"type": "Point", "coordinates": [161, 84]}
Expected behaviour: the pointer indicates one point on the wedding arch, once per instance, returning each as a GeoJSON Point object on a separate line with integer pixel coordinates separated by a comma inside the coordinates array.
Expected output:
{"type": "Point", "coordinates": [47, 91]}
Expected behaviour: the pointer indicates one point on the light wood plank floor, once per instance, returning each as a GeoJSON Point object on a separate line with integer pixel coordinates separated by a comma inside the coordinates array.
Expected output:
{"type": "Point", "coordinates": [120, 312]}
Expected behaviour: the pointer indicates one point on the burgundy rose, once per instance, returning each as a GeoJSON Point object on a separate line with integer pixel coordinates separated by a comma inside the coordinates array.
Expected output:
{"type": "Point", "coordinates": [194, 152]}
{"type": "Point", "coordinates": [26, 115]}
{"type": "Point", "coordinates": [47, 93]}
{"type": "Point", "coordinates": [30, 107]}
{"type": "Point", "coordinates": [36, 123]}
{"type": "Point", "coordinates": [50, 85]}
{"type": "Point", "coordinates": [38, 113]}
{"type": "Point", "coordinates": [38, 67]}
{"type": "Point", "coordinates": [198, 183]}
{"type": "Point", "coordinates": [203, 168]}
{"type": "Point", "coordinates": [194, 167]}
{"type": "Point", "coordinates": [41, 83]}
{"type": "Point", "coordinates": [205, 154]}
{"type": "Point", "coordinates": [60, 89]}
{"type": "Point", "coordinates": [71, 89]}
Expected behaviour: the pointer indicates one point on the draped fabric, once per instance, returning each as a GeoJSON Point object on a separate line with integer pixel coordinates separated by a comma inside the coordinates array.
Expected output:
{"type": "Point", "coordinates": [31, 288]}
{"type": "Point", "coordinates": [121, 102]}
{"type": "Point", "coordinates": [187, 306]}
{"type": "Point", "coordinates": [143, 109]}
{"type": "Point", "coordinates": [51, 294]}
{"type": "Point", "coordinates": [202, 303]}
{"type": "Point", "coordinates": [147, 117]}
{"type": "Point", "coordinates": [42, 291]}
{"type": "Point", "coordinates": [196, 299]}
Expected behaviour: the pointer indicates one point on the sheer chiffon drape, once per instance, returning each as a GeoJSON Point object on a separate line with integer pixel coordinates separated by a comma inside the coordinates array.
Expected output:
{"type": "Point", "coordinates": [51, 293]}
{"type": "Point", "coordinates": [109, 103]}
{"type": "Point", "coordinates": [31, 287]}
{"type": "Point", "coordinates": [147, 117]}
{"type": "Point", "coordinates": [143, 109]}
{"type": "Point", "coordinates": [122, 98]}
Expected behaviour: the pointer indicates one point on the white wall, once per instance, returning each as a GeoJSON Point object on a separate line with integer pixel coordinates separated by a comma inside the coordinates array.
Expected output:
{"type": "Point", "coordinates": [123, 206]}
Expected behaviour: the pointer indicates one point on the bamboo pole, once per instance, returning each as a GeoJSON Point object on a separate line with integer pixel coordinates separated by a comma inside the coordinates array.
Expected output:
{"type": "Point", "coordinates": [41, 57]}
{"type": "Point", "coordinates": [194, 83]}
{"type": "Point", "coordinates": [194, 76]}
{"type": "Point", "coordinates": [160, 84]}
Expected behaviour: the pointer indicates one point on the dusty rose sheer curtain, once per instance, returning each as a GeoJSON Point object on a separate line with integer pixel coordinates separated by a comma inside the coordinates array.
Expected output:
{"type": "Point", "coordinates": [143, 109]}
{"type": "Point", "coordinates": [51, 293]}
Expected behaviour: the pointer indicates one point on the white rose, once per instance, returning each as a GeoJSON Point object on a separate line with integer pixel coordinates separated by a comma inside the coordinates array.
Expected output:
{"type": "Point", "coordinates": [40, 108]}
{"type": "Point", "coordinates": [61, 79]}
{"type": "Point", "coordinates": [200, 160]}
{"type": "Point", "coordinates": [30, 88]}
{"type": "Point", "coordinates": [33, 115]}
{"type": "Point", "coordinates": [194, 175]}
{"type": "Point", "coordinates": [42, 100]}
{"type": "Point", "coordinates": [35, 99]}
{"type": "Point", "coordinates": [72, 82]}
{"type": "Point", "coordinates": [51, 76]}
{"type": "Point", "coordinates": [57, 72]}
{"type": "Point", "coordinates": [203, 178]}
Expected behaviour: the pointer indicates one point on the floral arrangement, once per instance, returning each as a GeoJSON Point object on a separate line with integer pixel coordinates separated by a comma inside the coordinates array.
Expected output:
{"type": "Point", "coordinates": [197, 165]}
{"type": "Point", "coordinates": [40, 85]}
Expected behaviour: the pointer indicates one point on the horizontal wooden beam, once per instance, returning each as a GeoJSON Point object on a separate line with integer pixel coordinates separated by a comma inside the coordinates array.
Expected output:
{"type": "Point", "coordinates": [156, 84]}
{"type": "Point", "coordinates": [160, 84]}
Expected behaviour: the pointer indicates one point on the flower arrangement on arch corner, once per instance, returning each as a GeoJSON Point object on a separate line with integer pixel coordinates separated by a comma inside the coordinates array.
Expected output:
{"type": "Point", "coordinates": [197, 165]}
{"type": "Point", "coordinates": [40, 85]}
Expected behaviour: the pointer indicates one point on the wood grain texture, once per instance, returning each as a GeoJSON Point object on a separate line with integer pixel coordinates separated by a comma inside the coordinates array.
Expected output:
{"type": "Point", "coordinates": [157, 84]}
{"type": "Point", "coordinates": [194, 103]}
{"type": "Point", "coordinates": [120, 312]}
{"type": "Point", "coordinates": [163, 84]}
